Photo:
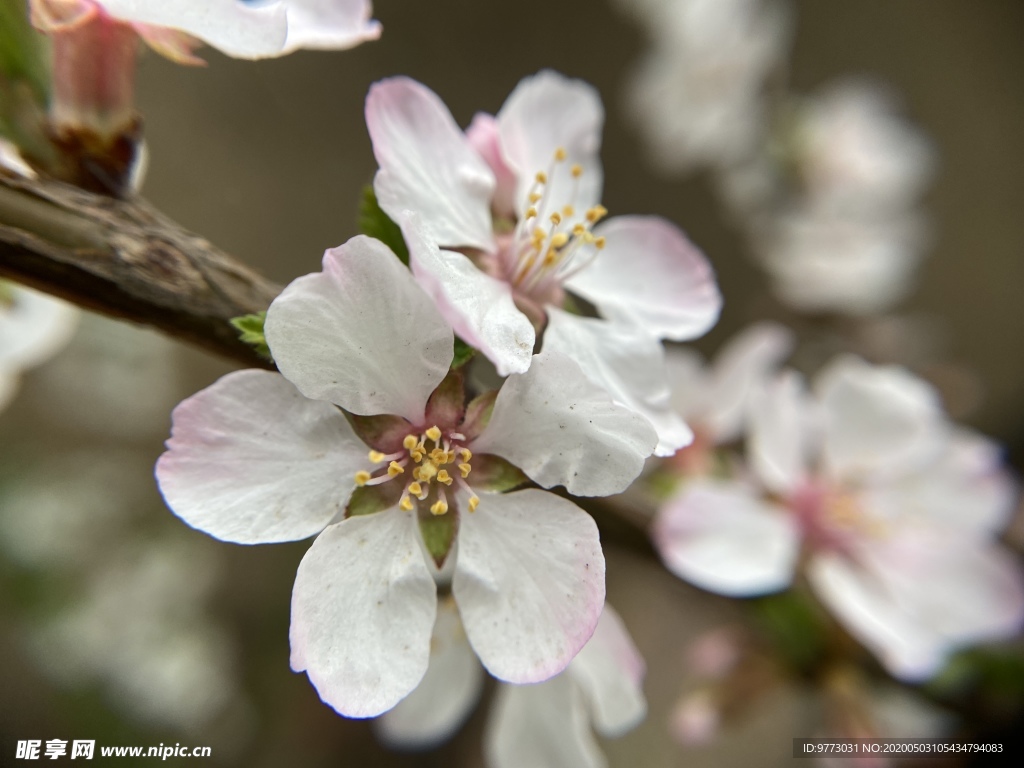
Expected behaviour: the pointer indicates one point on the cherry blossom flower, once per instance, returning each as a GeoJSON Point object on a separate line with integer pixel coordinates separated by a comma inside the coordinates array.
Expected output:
{"type": "Point", "coordinates": [895, 509]}
{"type": "Point", "coordinates": [240, 29]}
{"type": "Point", "coordinates": [260, 457]}
{"type": "Point", "coordinates": [546, 725]}
{"type": "Point", "coordinates": [33, 327]}
{"type": "Point", "coordinates": [504, 224]}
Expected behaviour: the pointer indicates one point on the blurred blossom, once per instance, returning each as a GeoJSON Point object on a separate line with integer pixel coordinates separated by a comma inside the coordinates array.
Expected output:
{"type": "Point", "coordinates": [696, 719]}
{"type": "Point", "coordinates": [544, 725]}
{"type": "Point", "coordinates": [241, 28]}
{"type": "Point", "coordinates": [895, 509]}
{"type": "Point", "coordinates": [33, 327]}
{"type": "Point", "coordinates": [697, 95]}
{"type": "Point", "coordinates": [261, 457]}
{"type": "Point", "coordinates": [11, 160]}
{"type": "Point", "coordinates": [504, 225]}
{"type": "Point", "coordinates": [115, 379]}
{"type": "Point", "coordinates": [140, 631]}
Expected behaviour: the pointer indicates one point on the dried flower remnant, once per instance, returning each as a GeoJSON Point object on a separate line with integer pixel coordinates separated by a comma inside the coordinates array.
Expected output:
{"type": "Point", "coordinates": [260, 457]}
{"type": "Point", "coordinates": [504, 224]}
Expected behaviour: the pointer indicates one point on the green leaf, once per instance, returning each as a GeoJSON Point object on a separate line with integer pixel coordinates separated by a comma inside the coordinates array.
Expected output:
{"type": "Point", "coordinates": [371, 499]}
{"type": "Point", "coordinates": [492, 473]}
{"type": "Point", "coordinates": [250, 331]}
{"type": "Point", "coordinates": [375, 223]}
{"type": "Point", "coordinates": [795, 627]}
{"type": "Point", "coordinates": [24, 79]}
{"type": "Point", "coordinates": [438, 532]}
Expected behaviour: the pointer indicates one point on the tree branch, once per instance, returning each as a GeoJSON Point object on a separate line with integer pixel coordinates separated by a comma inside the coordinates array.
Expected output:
{"type": "Point", "coordinates": [124, 259]}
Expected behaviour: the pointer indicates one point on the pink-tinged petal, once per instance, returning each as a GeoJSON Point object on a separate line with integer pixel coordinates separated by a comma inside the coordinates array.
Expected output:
{"type": "Point", "coordinates": [877, 420]}
{"type": "Point", "coordinates": [479, 307]}
{"type": "Point", "coordinates": [363, 607]}
{"type": "Point", "coordinates": [33, 326]}
{"type": "Point", "coordinates": [546, 112]}
{"type": "Point", "coordinates": [361, 333]}
{"type": "Point", "coordinates": [919, 595]}
{"type": "Point", "coordinates": [329, 24]}
{"type": "Point", "coordinates": [541, 726]}
{"type": "Point", "coordinates": [721, 537]}
{"type": "Point", "coordinates": [427, 165]}
{"type": "Point", "coordinates": [251, 460]}
{"type": "Point", "coordinates": [777, 444]}
{"type": "Point", "coordinates": [561, 429]}
{"type": "Point", "coordinates": [651, 275]}
{"type": "Point", "coordinates": [483, 135]}
{"type": "Point", "coordinates": [967, 487]}
{"type": "Point", "coordinates": [610, 671]}
{"type": "Point", "coordinates": [57, 15]}
{"type": "Point", "coordinates": [625, 361]}
{"type": "Point", "coordinates": [741, 367]}
{"type": "Point", "coordinates": [446, 695]}
{"type": "Point", "coordinates": [238, 29]}
{"type": "Point", "coordinates": [529, 582]}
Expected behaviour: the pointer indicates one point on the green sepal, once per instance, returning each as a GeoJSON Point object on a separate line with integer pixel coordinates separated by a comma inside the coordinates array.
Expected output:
{"type": "Point", "coordinates": [492, 473]}
{"type": "Point", "coordinates": [375, 223]}
{"type": "Point", "coordinates": [795, 626]}
{"type": "Point", "coordinates": [24, 79]}
{"type": "Point", "coordinates": [478, 414]}
{"type": "Point", "coordinates": [371, 499]}
{"type": "Point", "coordinates": [463, 353]}
{"type": "Point", "coordinates": [250, 331]}
{"type": "Point", "coordinates": [438, 532]}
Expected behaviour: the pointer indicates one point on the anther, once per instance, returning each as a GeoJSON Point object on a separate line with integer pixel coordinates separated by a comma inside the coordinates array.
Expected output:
{"type": "Point", "coordinates": [406, 504]}
{"type": "Point", "coordinates": [434, 433]}
{"type": "Point", "coordinates": [560, 154]}
{"type": "Point", "coordinates": [568, 211]}
{"type": "Point", "coordinates": [474, 502]}
{"type": "Point", "coordinates": [556, 218]}
{"type": "Point", "coordinates": [394, 469]}
{"type": "Point", "coordinates": [465, 469]}
{"type": "Point", "coordinates": [362, 477]}
{"type": "Point", "coordinates": [577, 170]}
{"type": "Point", "coordinates": [599, 243]}
{"type": "Point", "coordinates": [534, 197]}
{"type": "Point", "coordinates": [415, 488]}
{"type": "Point", "coordinates": [444, 477]}
{"type": "Point", "coordinates": [542, 178]}
{"type": "Point", "coordinates": [410, 442]}
{"type": "Point", "coordinates": [376, 457]}
{"type": "Point", "coordinates": [559, 239]}
{"type": "Point", "coordinates": [439, 507]}
{"type": "Point", "coordinates": [466, 454]}
{"type": "Point", "coordinates": [530, 212]}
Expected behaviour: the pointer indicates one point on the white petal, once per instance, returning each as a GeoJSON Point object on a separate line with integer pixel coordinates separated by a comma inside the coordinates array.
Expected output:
{"type": "Point", "coordinates": [361, 333]}
{"type": "Point", "coordinates": [479, 307]}
{"type": "Point", "coordinates": [363, 607]}
{"type": "Point", "coordinates": [561, 429]}
{"type": "Point", "coordinates": [967, 487]}
{"type": "Point", "coordinates": [625, 361]}
{"type": "Point", "coordinates": [33, 326]}
{"type": "Point", "coordinates": [651, 275]}
{"type": "Point", "coordinates": [529, 581]}
{"type": "Point", "coordinates": [877, 420]}
{"type": "Point", "coordinates": [541, 726]}
{"type": "Point", "coordinates": [779, 435]}
{"type": "Point", "coordinates": [690, 380]}
{"type": "Point", "coordinates": [916, 597]}
{"type": "Point", "coordinates": [610, 671]}
{"type": "Point", "coordinates": [236, 28]}
{"type": "Point", "coordinates": [329, 24]}
{"type": "Point", "coordinates": [446, 695]}
{"type": "Point", "coordinates": [743, 365]}
{"type": "Point", "coordinates": [251, 460]}
{"type": "Point", "coordinates": [427, 165]}
{"type": "Point", "coordinates": [722, 538]}
{"type": "Point", "coordinates": [546, 112]}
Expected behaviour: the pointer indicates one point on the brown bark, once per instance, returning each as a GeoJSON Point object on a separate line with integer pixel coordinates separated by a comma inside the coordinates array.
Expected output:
{"type": "Point", "coordinates": [124, 259]}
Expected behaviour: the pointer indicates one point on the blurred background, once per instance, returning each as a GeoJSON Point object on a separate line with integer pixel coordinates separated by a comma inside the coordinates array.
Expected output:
{"type": "Point", "coordinates": [121, 624]}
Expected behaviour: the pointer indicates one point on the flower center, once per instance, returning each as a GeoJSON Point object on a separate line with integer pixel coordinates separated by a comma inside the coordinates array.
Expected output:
{"type": "Point", "coordinates": [435, 462]}
{"type": "Point", "coordinates": [552, 241]}
{"type": "Point", "coordinates": [831, 517]}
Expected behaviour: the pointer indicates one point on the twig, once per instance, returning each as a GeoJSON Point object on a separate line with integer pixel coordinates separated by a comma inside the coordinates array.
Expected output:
{"type": "Point", "coordinates": [125, 259]}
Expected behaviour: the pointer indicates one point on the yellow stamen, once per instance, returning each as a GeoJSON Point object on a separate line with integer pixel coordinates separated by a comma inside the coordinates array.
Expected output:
{"type": "Point", "coordinates": [556, 218]}
{"type": "Point", "coordinates": [596, 213]}
{"type": "Point", "coordinates": [466, 454]}
{"type": "Point", "coordinates": [534, 197]}
{"type": "Point", "coordinates": [394, 469]}
{"type": "Point", "coordinates": [376, 457]}
{"type": "Point", "coordinates": [410, 442]}
{"type": "Point", "coordinates": [416, 473]}
{"type": "Point", "coordinates": [444, 477]}
{"type": "Point", "coordinates": [362, 477]}
{"type": "Point", "coordinates": [406, 504]}
{"type": "Point", "coordinates": [542, 178]}
{"type": "Point", "coordinates": [474, 501]}
{"type": "Point", "coordinates": [465, 470]}
{"type": "Point", "coordinates": [427, 472]}
{"type": "Point", "coordinates": [568, 211]}
{"type": "Point", "coordinates": [415, 488]}
{"type": "Point", "coordinates": [577, 170]}
{"type": "Point", "coordinates": [559, 239]}
{"type": "Point", "coordinates": [417, 455]}
{"type": "Point", "coordinates": [530, 213]}
{"type": "Point", "coordinates": [599, 243]}
{"type": "Point", "coordinates": [439, 507]}
{"type": "Point", "coordinates": [560, 154]}
{"type": "Point", "coordinates": [578, 229]}
{"type": "Point", "coordinates": [434, 433]}
{"type": "Point", "coordinates": [439, 456]}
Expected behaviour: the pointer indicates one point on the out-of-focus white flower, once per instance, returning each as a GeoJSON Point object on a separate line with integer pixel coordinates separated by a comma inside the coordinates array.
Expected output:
{"type": "Point", "coordinates": [33, 327]}
{"type": "Point", "coordinates": [260, 457]}
{"type": "Point", "coordinates": [247, 30]}
{"type": "Point", "coordinates": [696, 95]}
{"type": "Point", "coordinates": [502, 220]}
{"type": "Point", "coordinates": [821, 262]}
{"type": "Point", "coordinates": [544, 725]}
{"type": "Point", "coordinates": [896, 510]}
